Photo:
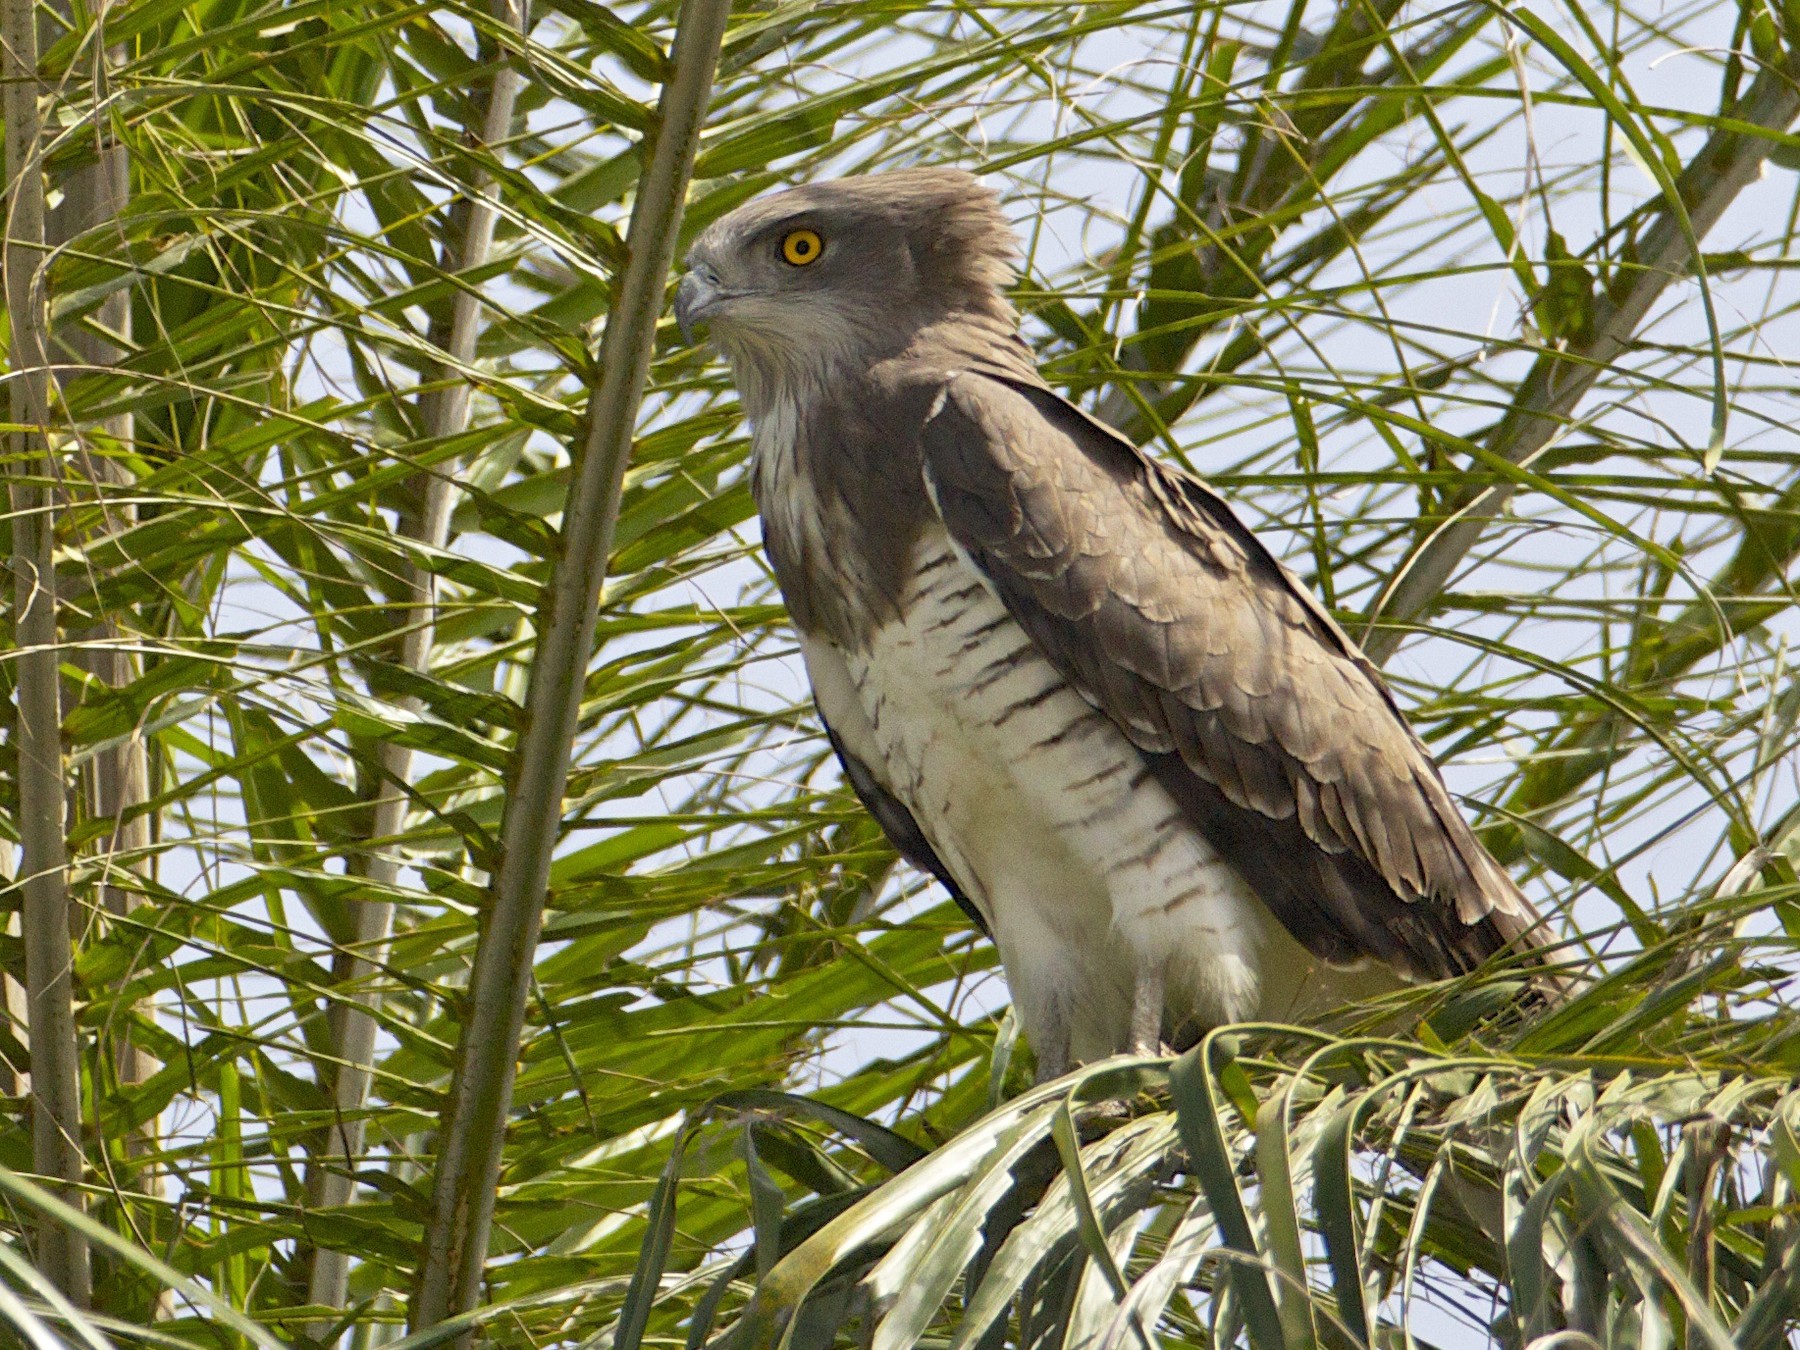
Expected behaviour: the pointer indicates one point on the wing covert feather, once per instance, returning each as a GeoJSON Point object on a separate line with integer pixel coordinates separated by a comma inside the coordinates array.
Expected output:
{"type": "Point", "coordinates": [1252, 707]}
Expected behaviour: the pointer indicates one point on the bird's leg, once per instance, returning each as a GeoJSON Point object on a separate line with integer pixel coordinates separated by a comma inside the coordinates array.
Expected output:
{"type": "Point", "coordinates": [1147, 1008]}
{"type": "Point", "coordinates": [1050, 1041]}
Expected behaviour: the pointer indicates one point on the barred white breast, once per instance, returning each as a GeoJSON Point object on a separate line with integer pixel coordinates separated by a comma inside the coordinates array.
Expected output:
{"type": "Point", "coordinates": [1080, 862]}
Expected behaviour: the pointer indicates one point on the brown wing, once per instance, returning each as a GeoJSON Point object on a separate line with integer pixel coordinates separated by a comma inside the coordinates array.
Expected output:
{"type": "Point", "coordinates": [1274, 733]}
{"type": "Point", "coordinates": [898, 825]}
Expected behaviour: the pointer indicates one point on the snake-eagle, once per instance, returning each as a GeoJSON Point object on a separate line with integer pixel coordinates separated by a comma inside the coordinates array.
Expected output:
{"type": "Point", "coordinates": [1064, 677]}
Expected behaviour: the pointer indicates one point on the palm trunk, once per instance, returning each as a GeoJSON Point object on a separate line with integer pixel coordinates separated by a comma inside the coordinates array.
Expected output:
{"type": "Point", "coordinates": [443, 412]}
{"type": "Point", "coordinates": [455, 1245]}
{"type": "Point", "coordinates": [62, 1253]}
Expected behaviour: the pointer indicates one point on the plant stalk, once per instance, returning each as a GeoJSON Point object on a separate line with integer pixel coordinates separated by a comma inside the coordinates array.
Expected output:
{"type": "Point", "coordinates": [62, 1253]}
{"type": "Point", "coordinates": [443, 412]}
{"type": "Point", "coordinates": [93, 196]}
{"type": "Point", "coordinates": [473, 1135]}
{"type": "Point", "coordinates": [15, 1079]}
{"type": "Point", "coordinates": [1728, 162]}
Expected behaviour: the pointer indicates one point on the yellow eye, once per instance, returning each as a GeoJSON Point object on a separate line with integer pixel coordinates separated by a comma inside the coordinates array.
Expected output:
{"type": "Point", "coordinates": [801, 247]}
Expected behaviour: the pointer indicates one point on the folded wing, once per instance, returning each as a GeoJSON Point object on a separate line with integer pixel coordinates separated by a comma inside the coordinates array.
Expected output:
{"type": "Point", "coordinates": [1267, 725]}
{"type": "Point", "coordinates": [898, 825]}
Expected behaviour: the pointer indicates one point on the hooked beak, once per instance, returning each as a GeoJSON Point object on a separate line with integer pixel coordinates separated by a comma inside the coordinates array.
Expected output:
{"type": "Point", "coordinates": [696, 296]}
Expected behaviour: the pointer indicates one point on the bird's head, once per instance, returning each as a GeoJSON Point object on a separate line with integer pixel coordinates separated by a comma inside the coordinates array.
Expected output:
{"type": "Point", "coordinates": [847, 269]}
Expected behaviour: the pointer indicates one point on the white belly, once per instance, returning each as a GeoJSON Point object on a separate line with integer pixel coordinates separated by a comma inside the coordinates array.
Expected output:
{"type": "Point", "coordinates": [1082, 864]}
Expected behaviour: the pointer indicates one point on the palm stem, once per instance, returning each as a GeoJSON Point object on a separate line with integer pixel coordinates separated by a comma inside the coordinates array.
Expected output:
{"type": "Point", "coordinates": [443, 412]}
{"type": "Point", "coordinates": [62, 1253]}
{"type": "Point", "coordinates": [456, 1231]}
{"type": "Point", "coordinates": [93, 193]}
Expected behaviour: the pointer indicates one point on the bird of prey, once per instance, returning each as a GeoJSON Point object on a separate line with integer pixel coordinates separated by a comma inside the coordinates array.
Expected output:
{"type": "Point", "coordinates": [1063, 677]}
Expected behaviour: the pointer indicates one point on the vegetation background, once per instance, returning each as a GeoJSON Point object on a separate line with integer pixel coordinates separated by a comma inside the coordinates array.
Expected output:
{"type": "Point", "coordinates": [1481, 313]}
